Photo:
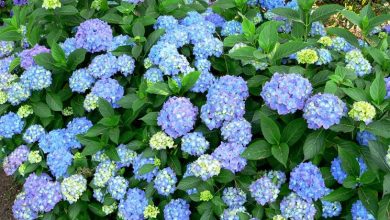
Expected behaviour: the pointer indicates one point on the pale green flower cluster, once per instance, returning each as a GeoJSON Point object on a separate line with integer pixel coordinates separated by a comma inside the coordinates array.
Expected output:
{"type": "Point", "coordinates": [362, 111]}
{"type": "Point", "coordinates": [161, 141]}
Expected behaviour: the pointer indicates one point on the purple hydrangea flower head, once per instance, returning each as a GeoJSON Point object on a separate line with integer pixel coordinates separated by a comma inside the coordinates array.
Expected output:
{"type": "Point", "coordinates": [306, 180]}
{"type": "Point", "coordinates": [324, 57]}
{"type": "Point", "coordinates": [104, 171]}
{"type": "Point", "coordinates": [56, 139]}
{"type": "Point", "coordinates": [94, 35]}
{"type": "Point", "coordinates": [79, 126]}
{"type": "Point", "coordinates": [120, 40]}
{"type": "Point", "coordinates": [33, 133]}
{"type": "Point", "coordinates": [126, 156]}
{"type": "Point", "coordinates": [229, 155]}
{"type": "Point", "coordinates": [36, 78]}
{"type": "Point", "coordinates": [207, 48]}
{"type": "Point", "coordinates": [323, 110]}
{"type": "Point", "coordinates": [233, 197]}
{"type": "Point", "coordinates": [360, 212]}
{"type": "Point", "coordinates": [177, 117]}
{"type": "Point", "coordinates": [6, 48]}
{"type": "Point", "coordinates": [18, 93]}
{"type": "Point", "coordinates": [363, 137]}
{"type": "Point", "coordinates": [214, 18]}
{"type": "Point", "coordinates": [20, 2]}
{"type": "Point", "coordinates": [166, 22]}
{"type": "Point", "coordinates": [330, 209]}
{"type": "Point", "coordinates": [153, 75]}
{"type": "Point", "coordinates": [386, 28]}
{"type": "Point", "coordinates": [21, 209]}
{"type": "Point", "coordinates": [108, 89]}
{"type": "Point", "coordinates": [387, 81]}
{"type": "Point", "coordinates": [295, 208]}
{"type": "Point", "coordinates": [233, 85]}
{"type": "Point", "coordinates": [117, 187]}
{"type": "Point", "coordinates": [68, 46]}
{"type": "Point", "coordinates": [317, 28]}
{"type": "Point", "coordinates": [205, 167]}
{"type": "Point", "coordinates": [103, 66]}
{"type": "Point", "coordinates": [205, 80]}
{"type": "Point", "coordinates": [286, 93]}
{"type": "Point", "coordinates": [338, 171]}
{"type": "Point", "coordinates": [138, 163]}
{"type": "Point", "coordinates": [264, 190]}
{"type": "Point", "coordinates": [177, 209]}
{"type": "Point", "coordinates": [194, 144]}
{"type": "Point", "coordinates": [27, 56]}
{"type": "Point", "coordinates": [238, 131]}
{"type": "Point", "coordinates": [231, 28]}
{"type": "Point", "coordinates": [132, 207]}
{"type": "Point", "coordinates": [12, 162]}
{"type": "Point", "coordinates": [165, 181]}
{"type": "Point", "coordinates": [58, 162]}
{"type": "Point", "coordinates": [134, 1]}
{"type": "Point", "coordinates": [125, 64]}
{"type": "Point", "coordinates": [81, 81]}
{"type": "Point", "coordinates": [10, 124]}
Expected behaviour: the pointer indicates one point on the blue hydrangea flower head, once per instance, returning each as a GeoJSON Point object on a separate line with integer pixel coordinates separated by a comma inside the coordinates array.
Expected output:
{"type": "Point", "coordinates": [205, 167]}
{"type": "Point", "coordinates": [6, 48]}
{"type": "Point", "coordinates": [126, 156]}
{"type": "Point", "coordinates": [238, 131]}
{"type": "Point", "coordinates": [339, 44]}
{"type": "Point", "coordinates": [177, 36]}
{"type": "Point", "coordinates": [58, 162]}
{"type": "Point", "coordinates": [207, 48]}
{"type": "Point", "coordinates": [27, 56]}
{"type": "Point", "coordinates": [10, 124]}
{"type": "Point", "coordinates": [56, 139]}
{"type": "Point", "coordinates": [277, 177]}
{"type": "Point", "coordinates": [360, 212]}
{"type": "Point", "coordinates": [295, 208]}
{"type": "Point", "coordinates": [117, 187]}
{"type": "Point", "coordinates": [387, 81]}
{"type": "Point", "coordinates": [214, 18]}
{"type": "Point", "coordinates": [104, 171]}
{"type": "Point", "coordinates": [81, 81]}
{"type": "Point", "coordinates": [231, 28]}
{"type": "Point", "coordinates": [36, 78]}
{"type": "Point", "coordinates": [229, 155]}
{"type": "Point", "coordinates": [165, 22]}
{"type": "Point", "coordinates": [177, 209]}
{"type": "Point", "coordinates": [94, 35]}
{"type": "Point", "coordinates": [126, 64]}
{"type": "Point", "coordinates": [73, 187]}
{"type": "Point", "coordinates": [363, 137]}
{"type": "Point", "coordinates": [108, 89]}
{"type": "Point", "coordinates": [232, 213]}
{"type": "Point", "coordinates": [324, 57]}
{"type": "Point", "coordinates": [338, 171]}
{"type": "Point", "coordinates": [264, 190]}
{"type": "Point", "coordinates": [133, 205]}
{"type": "Point", "coordinates": [205, 80]}
{"type": "Point", "coordinates": [317, 28]}
{"type": "Point", "coordinates": [330, 209]}
{"type": "Point", "coordinates": [138, 163]}
{"type": "Point", "coordinates": [194, 144]}
{"type": "Point", "coordinates": [103, 66]}
{"type": "Point", "coordinates": [120, 40]}
{"type": "Point", "coordinates": [5, 63]}
{"type": "Point", "coordinates": [21, 209]}
{"type": "Point", "coordinates": [12, 162]}
{"type": "Point", "coordinates": [323, 110]}
{"type": "Point", "coordinates": [177, 117]}
{"type": "Point", "coordinates": [79, 126]}
{"type": "Point", "coordinates": [165, 181]}
{"type": "Point", "coordinates": [233, 197]}
{"type": "Point", "coordinates": [154, 75]}
{"type": "Point", "coordinates": [68, 46]}
{"type": "Point", "coordinates": [271, 4]}
{"type": "Point", "coordinates": [306, 181]}
{"type": "Point", "coordinates": [286, 93]}
{"type": "Point", "coordinates": [18, 93]}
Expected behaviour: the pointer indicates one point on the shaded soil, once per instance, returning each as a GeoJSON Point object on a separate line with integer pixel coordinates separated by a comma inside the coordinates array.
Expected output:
{"type": "Point", "coordinates": [8, 191]}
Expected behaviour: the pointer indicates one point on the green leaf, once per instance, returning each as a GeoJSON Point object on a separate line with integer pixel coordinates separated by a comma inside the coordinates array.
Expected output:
{"type": "Point", "coordinates": [224, 4]}
{"type": "Point", "coordinates": [287, 49]}
{"type": "Point", "coordinates": [138, 29]}
{"type": "Point", "coordinates": [225, 176]}
{"type": "Point", "coordinates": [110, 121]}
{"type": "Point", "coordinates": [15, 62]}
{"type": "Point", "coordinates": [96, 208]}
{"type": "Point", "coordinates": [112, 18]}
{"type": "Point", "coordinates": [67, 10]}
{"type": "Point", "coordinates": [377, 20]}
{"type": "Point", "coordinates": [323, 12]}
{"type": "Point", "coordinates": [269, 129]}
{"type": "Point", "coordinates": [352, 17]}
{"type": "Point", "coordinates": [54, 101]}
{"type": "Point", "coordinates": [189, 81]}
{"type": "Point", "coordinates": [294, 131]}
{"type": "Point", "coordinates": [114, 134]}
{"type": "Point", "coordinates": [105, 108]}
{"type": "Point", "coordinates": [346, 125]}
{"type": "Point", "coordinates": [368, 177]}
{"type": "Point", "coordinates": [386, 184]}
{"type": "Point", "coordinates": [146, 169]}
{"type": "Point", "coordinates": [314, 144]}
{"type": "Point", "coordinates": [349, 162]}
{"type": "Point", "coordinates": [10, 34]}
{"type": "Point", "coordinates": [150, 118]}
{"type": "Point", "coordinates": [91, 149]}
{"type": "Point", "coordinates": [189, 183]}
{"type": "Point", "coordinates": [380, 128]}
{"type": "Point", "coordinates": [280, 152]}
{"type": "Point", "coordinates": [152, 39]}
{"type": "Point", "coordinates": [46, 60]}
{"type": "Point", "coordinates": [341, 194]}
{"type": "Point", "coordinates": [41, 110]}
{"type": "Point", "coordinates": [75, 58]}
{"type": "Point", "coordinates": [356, 94]}
{"type": "Point", "coordinates": [257, 150]}
{"type": "Point", "coordinates": [348, 36]}
{"type": "Point", "coordinates": [287, 13]}
{"type": "Point", "coordinates": [158, 88]}
{"type": "Point", "coordinates": [268, 35]}
{"type": "Point", "coordinates": [378, 151]}
{"type": "Point", "coordinates": [112, 153]}
{"type": "Point", "coordinates": [57, 53]}
{"type": "Point", "coordinates": [243, 53]}
{"type": "Point", "coordinates": [384, 208]}
{"type": "Point", "coordinates": [232, 40]}
{"type": "Point", "coordinates": [369, 198]}
{"type": "Point", "coordinates": [258, 212]}
{"type": "Point", "coordinates": [378, 89]}
{"type": "Point", "coordinates": [378, 55]}
{"type": "Point", "coordinates": [248, 27]}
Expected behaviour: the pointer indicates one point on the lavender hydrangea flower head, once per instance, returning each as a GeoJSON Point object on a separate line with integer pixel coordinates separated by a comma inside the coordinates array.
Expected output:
{"type": "Point", "coordinates": [36, 78]}
{"type": "Point", "coordinates": [286, 93]}
{"type": "Point", "coordinates": [126, 64]}
{"type": "Point", "coordinates": [205, 167]}
{"type": "Point", "coordinates": [21, 209]}
{"type": "Point", "coordinates": [73, 187]}
{"type": "Point", "coordinates": [6, 48]}
{"type": "Point", "coordinates": [133, 206]}
{"type": "Point", "coordinates": [264, 190]}
{"type": "Point", "coordinates": [58, 162]}
{"type": "Point", "coordinates": [338, 171]}
{"type": "Point", "coordinates": [10, 124]}
{"type": "Point", "coordinates": [20, 2]}
{"type": "Point", "coordinates": [177, 117]}
{"type": "Point", "coordinates": [165, 181]}
{"type": "Point", "coordinates": [295, 208]}
{"type": "Point", "coordinates": [103, 66]}
{"type": "Point", "coordinates": [363, 137]}
{"type": "Point", "coordinates": [229, 155]}
{"type": "Point", "coordinates": [108, 89]}
{"type": "Point", "coordinates": [94, 35]}
{"type": "Point", "coordinates": [360, 212]}
{"type": "Point", "coordinates": [18, 93]}
{"type": "Point", "coordinates": [323, 110]}
{"type": "Point", "coordinates": [177, 209]}
{"type": "Point", "coordinates": [330, 209]}
{"type": "Point", "coordinates": [233, 197]}
{"type": "Point", "coordinates": [194, 144]}
{"type": "Point", "coordinates": [81, 81]}
{"type": "Point", "coordinates": [117, 187]}
{"type": "Point", "coordinates": [27, 56]}
{"type": "Point", "coordinates": [306, 180]}
{"type": "Point", "coordinates": [12, 162]}
{"type": "Point", "coordinates": [138, 163]}
{"type": "Point", "coordinates": [277, 177]}
{"type": "Point", "coordinates": [231, 28]}
{"type": "Point", "coordinates": [238, 131]}
{"type": "Point", "coordinates": [33, 133]}
{"type": "Point", "coordinates": [214, 18]}
{"type": "Point", "coordinates": [104, 171]}
{"type": "Point", "coordinates": [68, 46]}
